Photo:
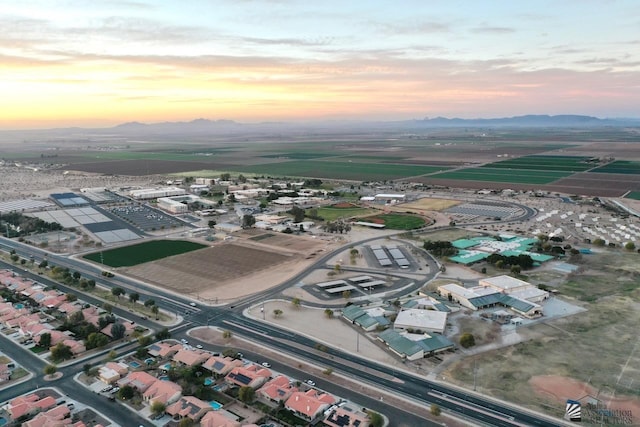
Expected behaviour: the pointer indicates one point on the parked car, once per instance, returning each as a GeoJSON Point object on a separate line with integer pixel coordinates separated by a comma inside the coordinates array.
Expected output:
{"type": "Point", "coordinates": [115, 390]}
{"type": "Point", "coordinates": [311, 383]}
{"type": "Point", "coordinates": [184, 341]}
{"type": "Point", "coordinates": [199, 346]}
{"type": "Point", "coordinates": [192, 304]}
{"type": "Point", "coordinates": [266, 364]}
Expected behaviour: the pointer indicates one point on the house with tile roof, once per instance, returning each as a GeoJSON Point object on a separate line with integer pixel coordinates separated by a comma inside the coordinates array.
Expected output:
{"type": "Point", "coordinates": [165, 392]}
{"type": "Point", "coordinates": [5, 372]}
{"type": "Point", "coordinates": [346, 416]}
{"type": "Point", "coordinates": [221, 365]}
{"type": "Point", "coordinates": [248, 376]}
{"type": "Point", "coordinates": [188, 407]}
{"type": "Point", "coordinates": [29, 404]}
{"type": "Point", "coordinates": [217, 419]}
{"type": "Point", "coordinates": [309, 405]}
{"type": "Point", "coordinates": [188, 357]}
{"type": "Point", "coordinates": [276, 390]}
{"type": "Point", "coordinates": [54, 417]}
{"type": "Point", "coordinates": [164, 349]}
{"type": "Point", "coordinates": [112, 372]}
{"type": "Point", "coordinates": [139, 380]}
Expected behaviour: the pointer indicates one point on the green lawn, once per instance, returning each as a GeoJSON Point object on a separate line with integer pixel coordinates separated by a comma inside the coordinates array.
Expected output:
{"type": "Point", "coordinates": [143, 252]}
{"type": "Point", "coordinates": [331, 214]}
{"type": "Point", "coordinates": [399, 221]}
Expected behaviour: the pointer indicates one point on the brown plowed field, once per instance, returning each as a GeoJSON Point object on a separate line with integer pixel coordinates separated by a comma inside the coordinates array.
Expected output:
{"type": "Point", "coordinates": [597, 184]}
{"type": "Point", "coordinates": [144, 167]}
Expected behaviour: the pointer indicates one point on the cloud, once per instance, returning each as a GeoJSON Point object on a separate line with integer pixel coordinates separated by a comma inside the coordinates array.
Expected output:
{"type": "Point", "coordinates": [492, 30]}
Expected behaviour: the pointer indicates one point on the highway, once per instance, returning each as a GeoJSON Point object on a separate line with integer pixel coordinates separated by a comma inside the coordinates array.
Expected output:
{"type": "Point", "coordinates": [468, 405]}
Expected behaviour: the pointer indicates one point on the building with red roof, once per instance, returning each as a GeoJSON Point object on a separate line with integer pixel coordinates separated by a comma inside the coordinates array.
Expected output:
{"type": "Point", "coordinates": [309, 405]}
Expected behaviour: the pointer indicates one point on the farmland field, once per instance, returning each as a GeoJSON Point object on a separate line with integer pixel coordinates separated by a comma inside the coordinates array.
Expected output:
{"type": "Point", "coordinates": [620, 166]}
{"type": "Point", "coordinates": [398, 221]}
{"type": "Point", "coordinates": [635, 195]}
{"type": "Point", "coordinates": [143, 252]}
{"type": "Point", "coordinates": [340, 170]}
{"type": "Point", "coordinates": [545, 163]}
{"type": "Point", "coordinates": [488, 174]}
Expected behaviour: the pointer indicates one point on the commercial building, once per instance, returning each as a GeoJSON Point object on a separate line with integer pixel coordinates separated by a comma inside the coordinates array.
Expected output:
{"type": "Point", "coordinates": [154, 193]}
{"type": "Point", "coordinates": [420, 321]}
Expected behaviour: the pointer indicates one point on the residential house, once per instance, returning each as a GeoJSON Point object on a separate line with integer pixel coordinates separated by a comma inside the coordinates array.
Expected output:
{"type": "Point", "coordinates": [276, 390]}
{"type": "Point", "coordinates": [188, 407]}
{"type": "Point", "coordinates": [69, 308]}
{"type": "Point", "coordinates": [139, 380]}
{"type": "Point", "coordinates": [128, 329]}
{"type": "Point", "coordinates": [217, 419]}
{"type": "Point", "coordinates": [164, 349]}
{"type": "Point", "coordinates": [112, 372]}
{"type": "Point", "coordinates": [346, 417]}
{"type": "Point", "coordinates": [54, 417]}
{"type": "Point", "coordinates": [252, 376]}
{"type": "Point", "coordinates": [190, 357]}
{"type": "Point", "coordinates": [29, 404]}
{"type": "Point", "coordinates": [309, 405]}
{"type": "Point", "coordinates": [5, 372]}
{"type": "Point", "coordinates": [165, 392]}
{"type": "Point", "coordinates": [220, 365]}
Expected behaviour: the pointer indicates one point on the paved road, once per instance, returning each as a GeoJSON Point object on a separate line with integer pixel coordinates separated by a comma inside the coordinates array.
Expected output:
{"type": "Point", "coordinates": [473, 407]}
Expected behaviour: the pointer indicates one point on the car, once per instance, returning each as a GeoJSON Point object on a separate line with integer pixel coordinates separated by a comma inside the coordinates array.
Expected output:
{"type": "Point", "coordinates": [70, 405]}
{"type": "Point", "coordinates": [183, 341]}
{"type": "Point", "coordinates": [106, 389]}
{"type": "Point", "coordinates": [239, 355]}
{"type": "Point", "coordinates": [199, 346]}
{"type": "Point", "coordinates": [192, 304]}
{"type": "Point", "coordinates": [266, 364]}
{"type": "Point", "coordinates": [311, 383]}
{"type": "Point", "coordinates": [115, 390]}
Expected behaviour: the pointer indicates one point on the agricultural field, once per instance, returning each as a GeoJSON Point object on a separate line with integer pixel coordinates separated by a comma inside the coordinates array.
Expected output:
{"type": "Point", "coordinates": [545, 163]}
{"type": "Point", "coordinates": [635, 195]}
{"type": "Point", "coordinates": [499, 175]}
{"type": "Point", "coordinates": [620, 166]}
{"type": "Point", "coordinates": [143, 252]}
{"type": "Point", "coordinates": [398, 221]}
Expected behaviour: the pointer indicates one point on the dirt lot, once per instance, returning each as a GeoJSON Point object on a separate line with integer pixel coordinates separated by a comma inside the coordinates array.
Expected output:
{"type": "Point", "coordinates": [227, 271]}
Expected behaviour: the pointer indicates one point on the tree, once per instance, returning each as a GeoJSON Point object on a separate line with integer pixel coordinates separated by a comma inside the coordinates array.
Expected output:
{"type": "Point", "coordinates": [118, 330]}
{"type": "Point", "coordinates": [246, 394]}
{"type": "Point", "coordinates": [155, 310]}
{"type": "Point", "coordinates": [86, 368]}
{"type": "Point", "coordinates": [117, 291]}
{"type": "Point", "coordinates": [50, 370]}
{"type": "Point", "coordinates": [630, 246]}
{"type": "Point", "coordinates": [76, 275]}
{"type": "Point", "coordinates": [144, 340]}
{"type": "Point", "coordinates": [277, 313]}
{"type": "Point", "coordinates": [134, 297]}
{"type": "Point", "coordinates": [516, 269]}
{"type": "Point", "coordinates": [298, 214]}
{"type": "Point", "coordinates": [112, 355]}
{"type": "Point", "coordinates": [467, 340]}
{"type": "Point", "coordinates": [212, 223]}
{"type": "Point", "coordinates": [126, 392]}
{"type": "Point", "coordinates": [337, 268]}
{"type": "Point", "coordinates": [107, 307]}
{"type": "Point", "coordinates": [163, 334]}
{"type": "Point", "coordinates": [248, 221]}
{"type": "Point", "coordinates": [226, 334]}
{"type": "Point", "coordinates": [329, 313]}
{"type": "Point", "coordinates": [186, 422]}
{"type": "Point", "coordinates": [295, 302]}
{"type": "Point", "coordinates": [149, 303]}
{"type": "Point", "coordinates": [375, 419]}
{"type": "Point", "coordinates": [71, 298]}
{"type": "Point", "coordinates": [435, 409]}
{"type": "Point", "coordinates": [45, 340]}
{"type": "Point", "coordinates": [61, 352]}
{"type": "Point", "coordinates": [158, 408]}
{"type": "Point", "coordinates": [346, 294]}
{"type": "Point", "coordinates": [598, 242]}
{"type": "Point", "coordinates": [96, 340]}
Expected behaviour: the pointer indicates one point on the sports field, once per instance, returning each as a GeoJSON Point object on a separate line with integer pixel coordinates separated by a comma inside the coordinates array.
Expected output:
{"type": "Point", "coordinates": [331, 213]}
{"type": "Point", "coordinates": [398, 221]}
{"type": "Point", "coordinates": [143, 252]}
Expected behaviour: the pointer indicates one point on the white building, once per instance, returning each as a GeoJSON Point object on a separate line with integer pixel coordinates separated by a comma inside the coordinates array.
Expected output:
{"type": "Point", "coordinates": [154, 193]}
{"type": "Point", "coordinates": [421, 320]}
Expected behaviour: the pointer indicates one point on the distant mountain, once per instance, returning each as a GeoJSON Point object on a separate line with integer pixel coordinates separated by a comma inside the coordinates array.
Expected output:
{"type": "Point", "coordinates": [522, 121]}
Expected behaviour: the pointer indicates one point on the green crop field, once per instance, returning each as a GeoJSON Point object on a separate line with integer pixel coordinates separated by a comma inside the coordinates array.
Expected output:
{"type": "Point", "coordinates": [399, 221]}
{"type": "Point", "coordinates": [299, 155]}
{"type": "Point", "coordinates": [516, 176]}
{"type": "Point", "coordinates": [143, 252]}
{"type": "Point", "coordinates": [545, 163]}
{"type": "Point", "coordinates": [329, 213]}
{"type": "Point", "coordinates": [340, 170]}
{"type": "Point", "coordinates": [620, 166]}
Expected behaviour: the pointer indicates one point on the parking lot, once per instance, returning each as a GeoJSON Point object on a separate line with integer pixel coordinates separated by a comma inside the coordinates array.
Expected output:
{"type": "Point", "coordinates": [146, 218]}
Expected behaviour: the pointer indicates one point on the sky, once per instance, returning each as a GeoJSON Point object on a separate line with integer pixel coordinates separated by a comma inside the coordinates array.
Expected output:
{"type": "Point", "coordinates": [104, 62]}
